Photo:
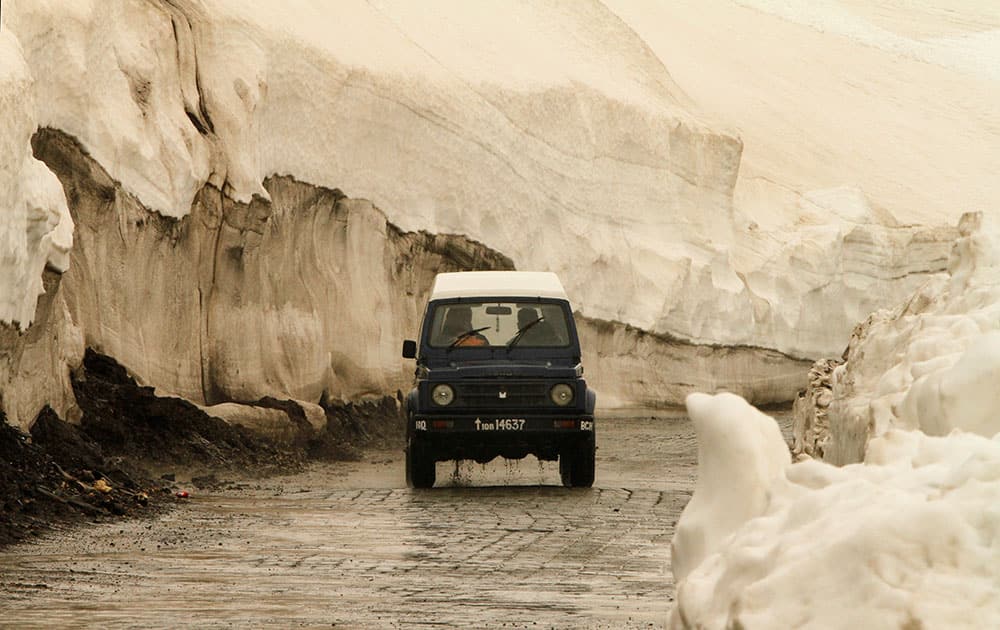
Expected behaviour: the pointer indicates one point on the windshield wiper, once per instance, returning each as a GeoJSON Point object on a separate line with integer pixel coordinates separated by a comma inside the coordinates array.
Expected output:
{"type": "Point", "coordinates": [466, 335]}
{"type": "Point", "coordinates": [520, 332]}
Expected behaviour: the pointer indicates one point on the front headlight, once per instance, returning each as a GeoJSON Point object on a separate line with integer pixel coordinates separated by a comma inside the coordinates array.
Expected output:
{"type": "Point", "coordinates": [561, 394]}
{"type": "Point", "coordinates": [442, 395]}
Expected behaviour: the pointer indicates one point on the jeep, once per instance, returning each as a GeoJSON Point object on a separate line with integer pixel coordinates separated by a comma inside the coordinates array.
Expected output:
{"type": "Point", "coordinates": [498, 373]}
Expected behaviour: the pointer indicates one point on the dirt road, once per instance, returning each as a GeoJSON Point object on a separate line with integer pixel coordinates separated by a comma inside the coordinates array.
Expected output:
{"type": "Point", "coordinates": [347, 545]}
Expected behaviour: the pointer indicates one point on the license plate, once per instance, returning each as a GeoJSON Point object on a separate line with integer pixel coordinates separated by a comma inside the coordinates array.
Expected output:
{"type": "Point", "coordinates": [500, 424]}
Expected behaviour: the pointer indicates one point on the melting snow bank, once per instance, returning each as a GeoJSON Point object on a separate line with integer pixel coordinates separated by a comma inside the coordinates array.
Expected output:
{"type": "Point", "coordinates": [630, 366]}
{"type": "Point", "coordinates": [908, 538]}
{"type": "Point", "coordinates": [303, 296]}
{"type": "Point", "coordinates": [494, 121]}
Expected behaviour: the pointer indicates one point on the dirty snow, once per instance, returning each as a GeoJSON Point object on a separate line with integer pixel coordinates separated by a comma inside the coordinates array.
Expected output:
{"type": "Point", "coordinates": [36, 229]}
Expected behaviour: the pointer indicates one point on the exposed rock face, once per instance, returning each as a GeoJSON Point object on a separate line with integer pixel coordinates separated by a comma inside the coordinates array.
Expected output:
{"type": "Point", "coordinates": [810, 425]}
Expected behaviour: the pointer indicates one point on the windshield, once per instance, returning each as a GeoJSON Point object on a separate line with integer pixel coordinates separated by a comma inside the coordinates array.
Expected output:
{"type": "Point", "coordinates": [510, 324]}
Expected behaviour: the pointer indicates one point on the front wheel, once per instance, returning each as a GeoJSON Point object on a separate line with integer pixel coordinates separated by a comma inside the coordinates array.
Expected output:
{"type": "Point", "coordinates": [576, 466]}
{"type": "Point", "coordinates": [419, 465]}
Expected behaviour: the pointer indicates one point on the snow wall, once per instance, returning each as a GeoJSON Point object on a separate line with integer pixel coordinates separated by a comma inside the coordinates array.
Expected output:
{"type": "Point", "coordinates": [909, 534]}
{"type": "Point", "coordinates": [930, 363]}
{"type": "Point", "coordinates": [565, 147]}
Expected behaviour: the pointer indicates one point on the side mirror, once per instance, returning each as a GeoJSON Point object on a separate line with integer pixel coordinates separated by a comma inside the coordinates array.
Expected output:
{"type": "Point", "coordinates": [409, 349]}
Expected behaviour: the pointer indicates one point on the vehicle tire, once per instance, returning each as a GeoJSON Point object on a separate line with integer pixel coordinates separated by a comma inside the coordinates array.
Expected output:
{"type": "Point", "coordinates": [566, 468]}
{"type": "Point", "coordinates": [419, 465]}
{"type": "Point", "coordinates": [576, 466]}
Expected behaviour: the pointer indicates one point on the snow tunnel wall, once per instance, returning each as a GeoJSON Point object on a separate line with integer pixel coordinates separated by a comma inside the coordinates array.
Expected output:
{"type": "Point", "coordinates": [583, 158]}
{"type": "Point", "coordinates": [305, 296]}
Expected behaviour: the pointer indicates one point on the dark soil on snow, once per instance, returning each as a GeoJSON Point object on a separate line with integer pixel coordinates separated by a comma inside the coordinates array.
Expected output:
{"type": "Point", "coordinates": [133, 451]}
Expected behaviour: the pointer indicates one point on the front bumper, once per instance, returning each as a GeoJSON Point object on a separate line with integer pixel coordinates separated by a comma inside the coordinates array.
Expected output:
{"type": "Point", "coordinates": [483, 437]}
{"type": "Point", "coordinates": [501, 424]}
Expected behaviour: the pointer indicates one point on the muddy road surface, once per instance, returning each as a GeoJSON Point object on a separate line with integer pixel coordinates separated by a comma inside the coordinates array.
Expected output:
{"type": "Point", "coordinates": [348, 545]}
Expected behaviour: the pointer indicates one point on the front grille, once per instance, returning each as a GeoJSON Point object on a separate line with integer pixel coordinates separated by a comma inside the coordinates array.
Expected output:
{"type": "Point", "coordinates": [502, 395]}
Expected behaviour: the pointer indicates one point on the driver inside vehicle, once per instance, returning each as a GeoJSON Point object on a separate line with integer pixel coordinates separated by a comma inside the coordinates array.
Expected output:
{"type": "Point", "coordinates": [458, 328]}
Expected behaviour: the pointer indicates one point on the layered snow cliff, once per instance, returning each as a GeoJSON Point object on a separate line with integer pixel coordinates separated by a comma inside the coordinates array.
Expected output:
{"type": "Point", "coordinates": [549, 132]}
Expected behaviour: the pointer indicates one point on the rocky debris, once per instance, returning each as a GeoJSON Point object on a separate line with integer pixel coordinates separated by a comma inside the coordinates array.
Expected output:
{"type": "Point", "coordinates": [810, 426]}
{"type": "Point", "coordinates": [377, 423]}
{"type": "Point", "coordinates": [58, 474]}
{"type": "Point", "coordinates": [131, 422]}
{"type": "Point", "coordinates": [63, 472]}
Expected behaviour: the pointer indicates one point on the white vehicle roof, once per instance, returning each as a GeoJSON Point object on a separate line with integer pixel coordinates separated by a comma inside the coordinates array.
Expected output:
{"type": "Point", "coordinates": [497, 284]}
